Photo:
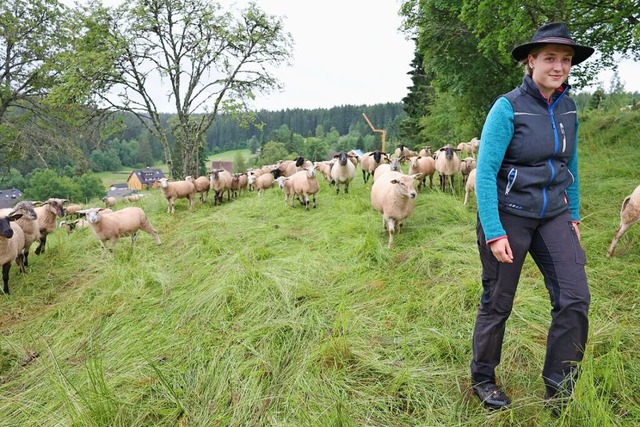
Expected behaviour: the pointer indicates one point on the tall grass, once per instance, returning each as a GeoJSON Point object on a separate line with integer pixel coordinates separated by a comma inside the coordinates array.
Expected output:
{"type": "Point", "coordinates": [253, 313]}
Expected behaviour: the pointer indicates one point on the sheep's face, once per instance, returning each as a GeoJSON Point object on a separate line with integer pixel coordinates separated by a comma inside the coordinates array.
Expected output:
{"type": "Point", "coordinates": [311, 171]}
{"type": "Point", "coordinates": [395, 165]}
{"type": "Point", "coordinates": [93, 215]}
{"type": "Point", "coordinates": [26, 209]}
{"type": "Point", "coordinates": [164, 182]}
{"type": "Point", "coordinates": [342, 158]}
{"type": "Point", "coordinates": [5, 227]}
{"type": "Point", "coordinates": [404, 184]}
{"type": "Point", "coordinates": [56, 206]}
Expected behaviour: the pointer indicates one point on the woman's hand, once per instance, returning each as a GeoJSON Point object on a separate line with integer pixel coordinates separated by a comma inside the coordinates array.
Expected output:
{"type": "Point", "coordinates": [575, 227]}
{"type": "Point", "coordinates": [502, 250]}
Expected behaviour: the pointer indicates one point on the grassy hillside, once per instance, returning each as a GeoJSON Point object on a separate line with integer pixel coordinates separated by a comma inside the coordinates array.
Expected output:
{"type": "Point", "coordinates": [253, 313]}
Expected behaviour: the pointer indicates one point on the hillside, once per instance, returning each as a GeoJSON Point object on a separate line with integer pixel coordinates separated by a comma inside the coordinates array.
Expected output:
{"type": "Point", "coordinates": [253, 313]}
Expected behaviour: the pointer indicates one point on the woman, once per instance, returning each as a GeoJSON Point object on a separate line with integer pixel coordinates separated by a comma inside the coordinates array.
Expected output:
{"type": "Point", "coordinates": [528, 202]}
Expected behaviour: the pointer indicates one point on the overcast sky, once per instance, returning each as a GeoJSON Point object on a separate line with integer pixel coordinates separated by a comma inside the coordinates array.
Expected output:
{"type": "Point", "coordinates": [350, 52]}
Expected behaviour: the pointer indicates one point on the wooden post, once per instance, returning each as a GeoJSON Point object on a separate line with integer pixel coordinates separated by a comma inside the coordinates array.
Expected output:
{"type": "Point", "coordinates": [382, 132]}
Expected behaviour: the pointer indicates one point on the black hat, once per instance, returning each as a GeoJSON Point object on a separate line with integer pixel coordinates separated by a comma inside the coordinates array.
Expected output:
{"type": "Point", "coordinates": [553, 33]}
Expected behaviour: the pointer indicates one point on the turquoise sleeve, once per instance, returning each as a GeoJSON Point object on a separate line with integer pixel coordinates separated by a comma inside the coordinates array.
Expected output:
{"type": "Point", "coordinates": [496, 136]}
{"type": "Point", "coordinates": [573, 191]}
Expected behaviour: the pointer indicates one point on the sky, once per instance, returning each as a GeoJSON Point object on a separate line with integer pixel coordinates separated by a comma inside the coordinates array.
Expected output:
{"type": "Point", "coordinates": [350, 52]}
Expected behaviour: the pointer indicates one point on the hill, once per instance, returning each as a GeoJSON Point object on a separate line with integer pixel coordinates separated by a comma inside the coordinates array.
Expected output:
{"type": "Point", "coordinates": [253, 313]}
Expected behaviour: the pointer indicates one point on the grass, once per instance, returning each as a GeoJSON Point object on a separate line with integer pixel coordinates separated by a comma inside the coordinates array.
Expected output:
{"type": "Point", "coordinates": [253, 313]}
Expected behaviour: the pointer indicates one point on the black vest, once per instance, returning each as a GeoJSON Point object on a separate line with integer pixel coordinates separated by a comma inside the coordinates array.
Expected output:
{"type": "Point", "coordinates": [533, 176]}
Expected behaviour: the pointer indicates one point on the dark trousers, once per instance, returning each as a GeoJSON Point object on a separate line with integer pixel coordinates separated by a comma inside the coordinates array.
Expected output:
{"type": "Point", "coordinates": [555, 248]}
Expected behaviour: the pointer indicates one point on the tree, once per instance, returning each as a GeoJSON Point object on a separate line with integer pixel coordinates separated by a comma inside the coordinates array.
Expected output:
{"type": "Point", "coordinates": [211, 62]}
{"type": "Point", "coordinates": [272, 152]}
{"type": "Point", "coordinates": [239, 165]}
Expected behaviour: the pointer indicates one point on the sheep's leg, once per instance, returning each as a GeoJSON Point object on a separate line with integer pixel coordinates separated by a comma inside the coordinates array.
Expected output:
{"type": "Point", "coordinates": [41, 244]}
{"type": "Point", "coordinates": [134, 237]}
{"type": "Point", "coordinates": [5, 276]}
{"type": "Point", "coordinates": [26, 257]}
{"type": "Point", "coordinates": [619, 233]}
{"type": "Point", "coordinates": [466, 197]}
{"type": "Point", "coordinates": [315, 205]}
{"type": "Point", "coordinates": [346, 187]}
{"type": "Point", "coordinates": [431, 181]}
{"type": "Point", "coordinates": [337, 187]}
{"type": "Point", "coordinates": [364, 176]}
{"type": "Point", "coordinates": [20, 263]}
{"type": "Point", "coordinates": [306, 201]}
{"type": "Point", "coordinates": [392, 229]}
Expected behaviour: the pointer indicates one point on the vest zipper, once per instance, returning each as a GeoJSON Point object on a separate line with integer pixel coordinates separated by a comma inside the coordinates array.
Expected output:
{"type": "Point", "coordinates": [513, 174]}
{"type": "Point", "coordinates": [564, 138]}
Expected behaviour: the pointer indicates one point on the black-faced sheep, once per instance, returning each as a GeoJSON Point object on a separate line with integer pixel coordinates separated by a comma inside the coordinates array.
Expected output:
{"type": "Point", "coordinates": [447, 165]}
{"type": "Point", "coordinates": [220, 182]}
{"type": "Point", "coordinates": [370, 161]}
{"type": "Point", "coordinates": [124, 222]}
{"type": "Point", "coordinates": [393, 195]}
{"type": "Point", "coordinates": [172, 190]}
{"type": "Point", "coordinates": [47, 213]}
{"type": "Point", "coordinates": [11, 246]}
{"type": "Point", "coordinates": [342, 171]}
{"type": "Point", "coordinates": [29, 224]}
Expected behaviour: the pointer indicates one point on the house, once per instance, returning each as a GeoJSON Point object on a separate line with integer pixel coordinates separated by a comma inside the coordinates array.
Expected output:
{"type": "Point", "coordinates": [8, 198]}
{"type": "Point", "coordinates": [228, 166]}
{"type": "Point", "coordinates": [141, 179]}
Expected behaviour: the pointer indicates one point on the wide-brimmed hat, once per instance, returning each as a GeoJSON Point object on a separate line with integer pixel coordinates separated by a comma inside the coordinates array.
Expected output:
{"type": "Point", "coordinates": [553, 33]}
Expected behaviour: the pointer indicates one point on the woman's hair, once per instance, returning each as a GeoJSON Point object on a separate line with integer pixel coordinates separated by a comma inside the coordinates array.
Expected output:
{"type": "Point", "coordinates": [534, 52]}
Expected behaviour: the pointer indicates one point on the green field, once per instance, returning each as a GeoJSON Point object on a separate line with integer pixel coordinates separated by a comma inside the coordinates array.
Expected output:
{"type": "Point", "coordinates": [256, 314]}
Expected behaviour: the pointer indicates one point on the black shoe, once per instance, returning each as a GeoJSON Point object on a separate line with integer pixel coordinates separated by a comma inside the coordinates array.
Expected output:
{"type": "Point", "coordinates": [491, 396]}
{"type": "Point", "coordinates": [557, 403]}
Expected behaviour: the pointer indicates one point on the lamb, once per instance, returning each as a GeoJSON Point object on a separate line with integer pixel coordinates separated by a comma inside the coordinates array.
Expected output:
{"type": "Point", "coordinates": [109, 201]}
{"type": "Point", "coordinates": [266, 180]}
{"type": "Point", "coordinates": [342, 171]}
{"type": "Point", "coordinates": [202, 185]}
{"type": "Point", "coordinates": [303, 184]}
{"type": "Point", "coordinates": [11, 246]}
{"type": "Point", "coordinates": [71, 226]}
{"type": "Point", "coordinates": [124, 222]}
{"type": "Point", "coordinates": [466, 166]}
{"type": "Point", "coordinates": [447, 165]}
{"type": "Point", "coordinates": [393, 195]}
{"type": "Point", "coordinates": [425, 166]}
{"type": "Point", "coordinates": [220, 182]}
{"type": "Point", "coordinates": [370, 161]}
{"type": "Point", "coordinates": [47, 213]}
{"type": "Point", "coordinates": [395, 165]}
{"type": "Point", "coordinates": [239, 182]}
{"type": "Point", "coordinates": [470, 185]}
{"type": "Point", "coordinates": [132, 198]}
{"type": "Point", "coordinates": [172, 190]}
{"type": "Point", "coordinates": [629, 215]}
{"type": "Point", "coordinates": [285, 185]}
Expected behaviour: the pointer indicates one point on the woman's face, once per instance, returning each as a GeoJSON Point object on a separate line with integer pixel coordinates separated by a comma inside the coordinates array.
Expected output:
{"type": "Point", "coordinates": [551, 67]}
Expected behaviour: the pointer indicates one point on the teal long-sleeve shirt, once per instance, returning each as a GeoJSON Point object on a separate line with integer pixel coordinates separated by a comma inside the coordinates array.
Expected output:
{"type": "Point", "coordinates": [495, 138]}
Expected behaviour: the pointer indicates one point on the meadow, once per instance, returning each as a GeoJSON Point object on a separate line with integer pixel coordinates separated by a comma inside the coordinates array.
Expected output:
{"type": "Point", "coordinates": [256, 314]}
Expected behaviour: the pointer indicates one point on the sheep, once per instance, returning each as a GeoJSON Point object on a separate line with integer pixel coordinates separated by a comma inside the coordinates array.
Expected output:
{"type": "Point", "coordinates": [202, 185]}
{"type": "Point", "coordinates": [239, 182]}
{"type": "Point", "coordinates": [353, 156]}
{"type": "Point", "coordinates": [470, 185]}
{"type": "Point", "coordinates": [124, 222]}
{"type": "Point", "coordinates": [29, 225]}
{"type": "Point", "coordinates": [109, 201]}
{"type": "Point", "coordinates": [289, 167]}
{"type": "Point", "coordinates": [132, 198]}
{"type": "Point", "coordinates": [447, 165]}
{"type": "Point", "coordinates": [220, 182]}
{"type": "Point", "coordinates": [266, 181]}
{"type": "Point", "coordinates": [403, 151]}
{"type": "Point", "coordinates": [71, 211]}
{"type": "Point", "coordinates": [629, 215]}
{"type": "Point", "coordinates": [172, 190]}
{"type": "Point", "coordinates": [426, 151]}
{"type": "Point", "coordinates": [47, 213]}
{"type": "Point", "coordinates": [466, 166]}
{"type": "Point", "coordinates": [303, 184]}
{"type": "Point", "coordinates": [342, 171]}
{"type": "Point", "coordinates": [425, 166]}
{"type": "Point", "coordinates": [370, 161]}
{"type": "Point", "coordinates": [395, 165]}
{"type": "Point", "coordinates": [71, 226]}
{"type": "Point", "coordinates": [11, 246]}
{"type": "Point", "coordinates": [393, 195]}
{"type": "Point", "coordinates": [465, 148]}
{"type": "Point", "coordinates": [325, 169]}
{"type": "Point", "coordinates": [285, 185]}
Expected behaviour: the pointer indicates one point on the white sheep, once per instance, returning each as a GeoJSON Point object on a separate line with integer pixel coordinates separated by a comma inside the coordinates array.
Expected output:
{"type": "Point", "coordinates": [71, 211]}
{"type": "Point", "coordinates": [109, 201]}
{"type": "Point", "coordinates": [470, 185]}
{"type": "Point", "coordinates": [285, 185]}
{"type": "Point", "coordinates": [266, 180]}
{"type": "Point", "coordinates": [447, 165]}
{"type": "Point", "coordinates": [124, 222]}
{"type": "Point", "coordinates": [629, 215]}
{"type": "Point", "coordinates": [342, 171]}
{"type": "Point", "coordinates": [304, 184]}
{"type": "Point", "coordinates": [393, 195]}
{"type": "Point", "coordinates": [325, 169]}
{"type": "Point", "coordinates": [370, 161]}
{"type": "Point", "coordinates": [220, 182]}
{"type": "Point", "coordinates": [426, 151]}
{"type": "Point", "coordinates": [11, 246]}
{"type": "Point", "coordinates": [466, 166]}
{"type": "Point", "coordinates": [394, 165]}
{"type": "Point", "coordinates": [132, 198]}
{"type": "Point", "coordinates": [47, 213]}
{"type": "Point", "coordinates": [202, 185]}
{"type": "Point", "coordinates": [425, 166]}
{"type": "Point", "coordinates": [172, 190]}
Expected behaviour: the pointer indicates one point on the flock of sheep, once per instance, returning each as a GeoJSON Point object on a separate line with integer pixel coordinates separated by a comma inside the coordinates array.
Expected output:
{"type": "Point", "coordinates": [393, 194]}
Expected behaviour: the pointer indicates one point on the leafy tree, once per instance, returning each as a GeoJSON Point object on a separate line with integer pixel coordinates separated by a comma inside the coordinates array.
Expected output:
{"type": "Point", "coordinates": [317, 149]}
{"type": "Point", "coordinates": [12, 179]}
{"type": "Point", "coordinates": [239, 165]}
{"type": "Point", "coordinates": [90, 186]}
{"type": "Point", "coordinates": [596, 100]}
{"type": "Point", "coordinates": [272, 152]}
{"type": "Point", "coordinates": [212, 61]}
{"type": "Point", "coordinates": [45, 183]}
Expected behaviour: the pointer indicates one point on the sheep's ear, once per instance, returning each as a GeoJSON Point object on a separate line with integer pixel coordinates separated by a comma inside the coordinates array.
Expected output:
{"type": "Point", "coordinates": [416, 175]}
{"type": "Point", "coordinates": [13, 216]}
